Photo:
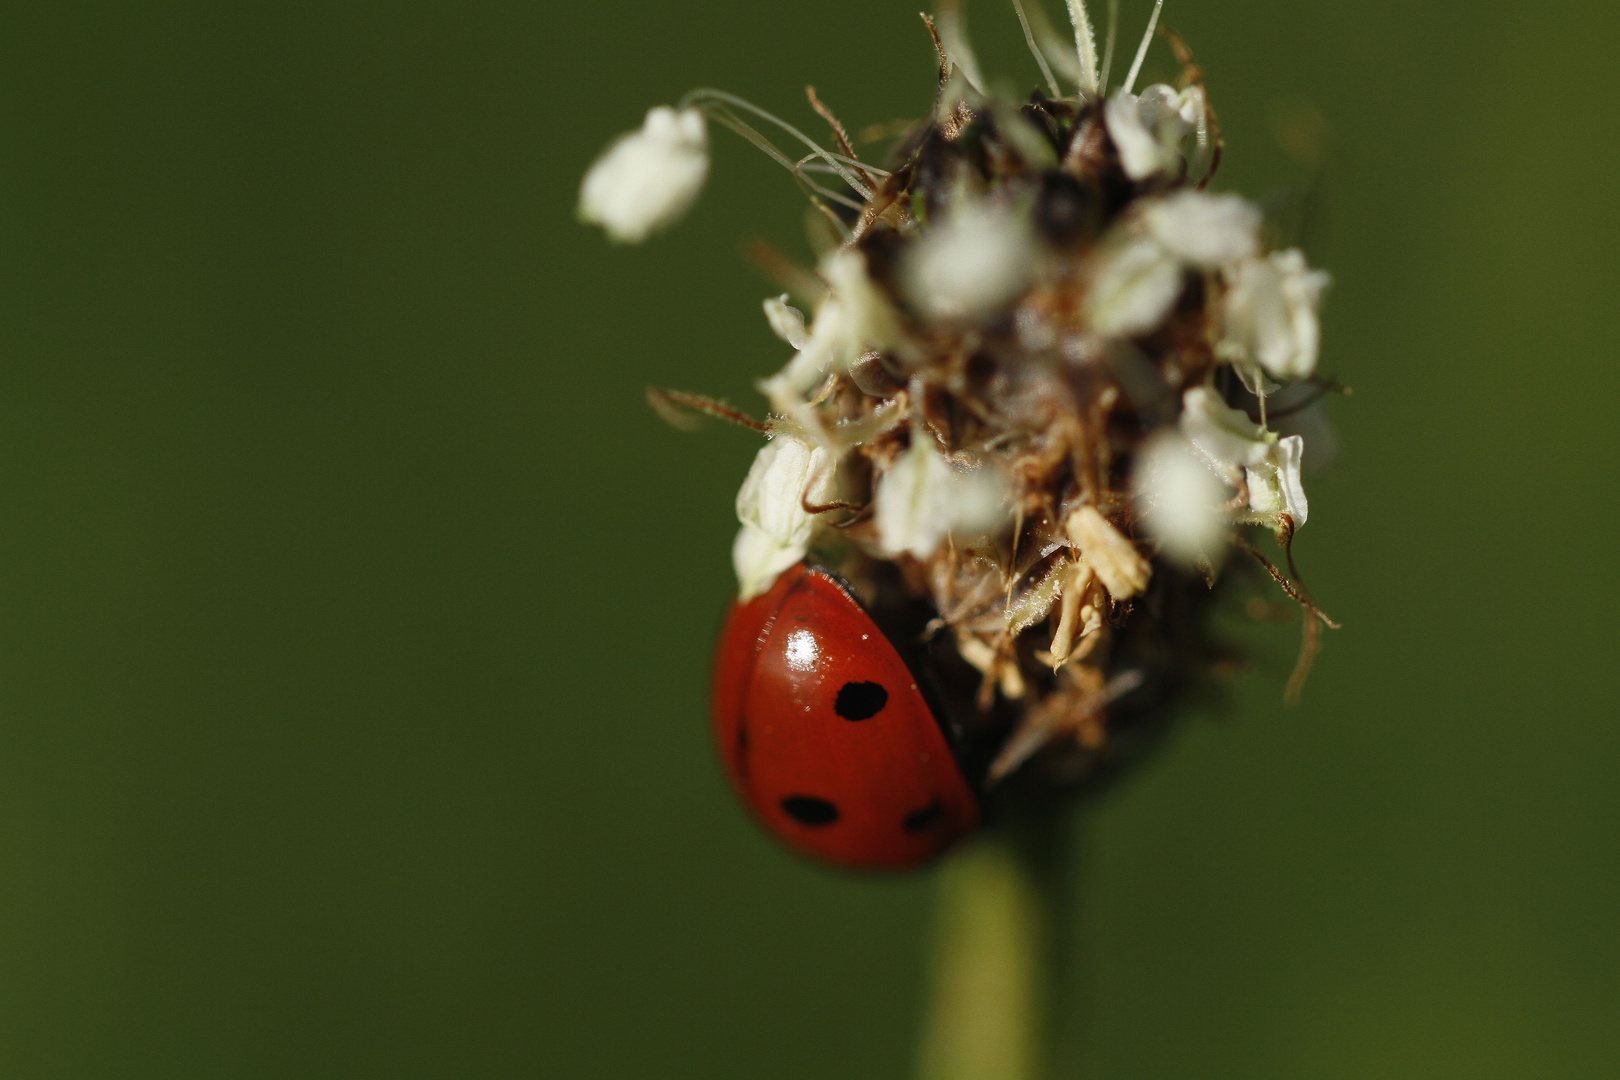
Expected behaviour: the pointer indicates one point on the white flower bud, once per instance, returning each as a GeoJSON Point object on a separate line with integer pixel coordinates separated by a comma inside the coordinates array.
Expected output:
{"type": "Point", "coordinates": [1204, 230]}
{"type": "Point", "coordinates": [776, 529]}
{"type": "Point", "coordinates": [1179, 500]}
{"type": "Point", "coordinates": [922, 497]}
{"type": "Point", "coordinates": [971, 266]}
{"type": "Point", "coordinates": [1134, 288]}
{"type": "Point", "coordinates": [786, 321]}
{"type": "Point", "coordinates": [1270, 317]}
{"type": "Point", "coordinates": [649, 177]}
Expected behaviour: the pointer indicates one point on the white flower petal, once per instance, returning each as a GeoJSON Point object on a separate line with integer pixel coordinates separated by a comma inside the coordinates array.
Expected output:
{"type": "Point", "coordinates": [1191, 107]}
{"type": "Point", "coordinates": [647, 178]}
{"type": "Point", "coordinates": [1179, 500]}
{"type": "Point", "coordinates": [1224, 436]}
{"type": "Point", "coordinates": [759, 559]}
{"type": "Point", "coordinates": [972, 265]}
{"type": "Point", "coordinates": [922, 497]}
{"type": "Point", "coordinates": [776, 529]}
{"type": "Point", "coordinates": [1290, 454]}
{"type": "Point", "coordinates": [1207, 231]}
{"type": "Point", "coordinates": [979, 502]}
{"type": "Point", "coordinates": [1270, 316]}
{"type": "Point", "coordinates": [786, 321]}
{"type": "Point", "coordinates": [870, 320]}
{"type": "Point", "coordinates": [1158, 103]}
{"type": "Point", "coordinates": [1274, 485]}
{"type": "Point", "coordinates": [854, 317]}
{"type": "Point", "coordinates": [1134, 288]}
{"type": "Point", "coordinates": [1145, 145]}
{"type": "Point", "coordinates": [826, 346]}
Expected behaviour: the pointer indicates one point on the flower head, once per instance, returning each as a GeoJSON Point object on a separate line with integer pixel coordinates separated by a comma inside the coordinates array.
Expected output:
{"type": "Point", "coordinates": [1037, 366]}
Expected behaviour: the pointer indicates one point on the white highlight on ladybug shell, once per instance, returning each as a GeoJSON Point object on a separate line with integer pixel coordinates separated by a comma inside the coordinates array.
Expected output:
{"type": "Point", "coordinates": [776, 529]}
{"type": "Point", "coordinates": [803, 652]}
{"type": "Point", "coordinates": [649, 177]}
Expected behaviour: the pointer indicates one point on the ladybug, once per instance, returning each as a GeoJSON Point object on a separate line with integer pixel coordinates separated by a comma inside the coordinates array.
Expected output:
{"type": "Point", "coordinates": [825, 733]}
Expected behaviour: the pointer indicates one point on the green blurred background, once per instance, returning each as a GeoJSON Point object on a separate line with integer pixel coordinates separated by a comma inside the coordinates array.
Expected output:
{"type": "Point", "coordinates": [355, 613]}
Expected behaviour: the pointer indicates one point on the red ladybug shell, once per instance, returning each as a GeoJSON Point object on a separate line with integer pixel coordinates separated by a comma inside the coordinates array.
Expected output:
{"type": "Point", "coordinates": [825, 734]}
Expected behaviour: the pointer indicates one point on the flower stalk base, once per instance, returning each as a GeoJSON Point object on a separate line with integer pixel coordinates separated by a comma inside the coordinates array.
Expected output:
{"type": "Point", "coordinates": [995, 972]}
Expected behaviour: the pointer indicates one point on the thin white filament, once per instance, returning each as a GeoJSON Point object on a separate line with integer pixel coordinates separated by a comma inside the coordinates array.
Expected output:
{"type": "Point", "coordinates": [810, 165]}
{"type": "Point", "coordinates": [1202, 130]}
{"type": "Point", "coordinates": [816, 192]}
{"type": "Point", "coordinates": [804, 162]}
{"type": "Point", "coordinates": [830, 195]}
{"type": "Point", "coordinates": [1108, 46]}
{"type": "Point", "coordinates": [1141, 50]}
{"type": "Point", "coordinates": [700, 96]}
{"type": "Point", "coordinates": [1086, 45]}
{"type": "Point", "coordinates": [1057, 48]}
{"type": "Point", "coordinates": [1029, 39]}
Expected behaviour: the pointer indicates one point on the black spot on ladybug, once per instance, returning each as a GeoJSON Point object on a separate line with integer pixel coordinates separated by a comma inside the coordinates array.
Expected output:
{"type": "Point", "coordinates": [860, 700]}
{"type": "Point", "coordinates": [742, 749]}
{"type": "Point", "coordinates": [809, 810]}
{"type": "Point", "coordinates": [918, 820]}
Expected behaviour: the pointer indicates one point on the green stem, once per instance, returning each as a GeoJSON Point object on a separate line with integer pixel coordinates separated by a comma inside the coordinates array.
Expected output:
{"type": "Point", "coordinates": [995, 955]}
